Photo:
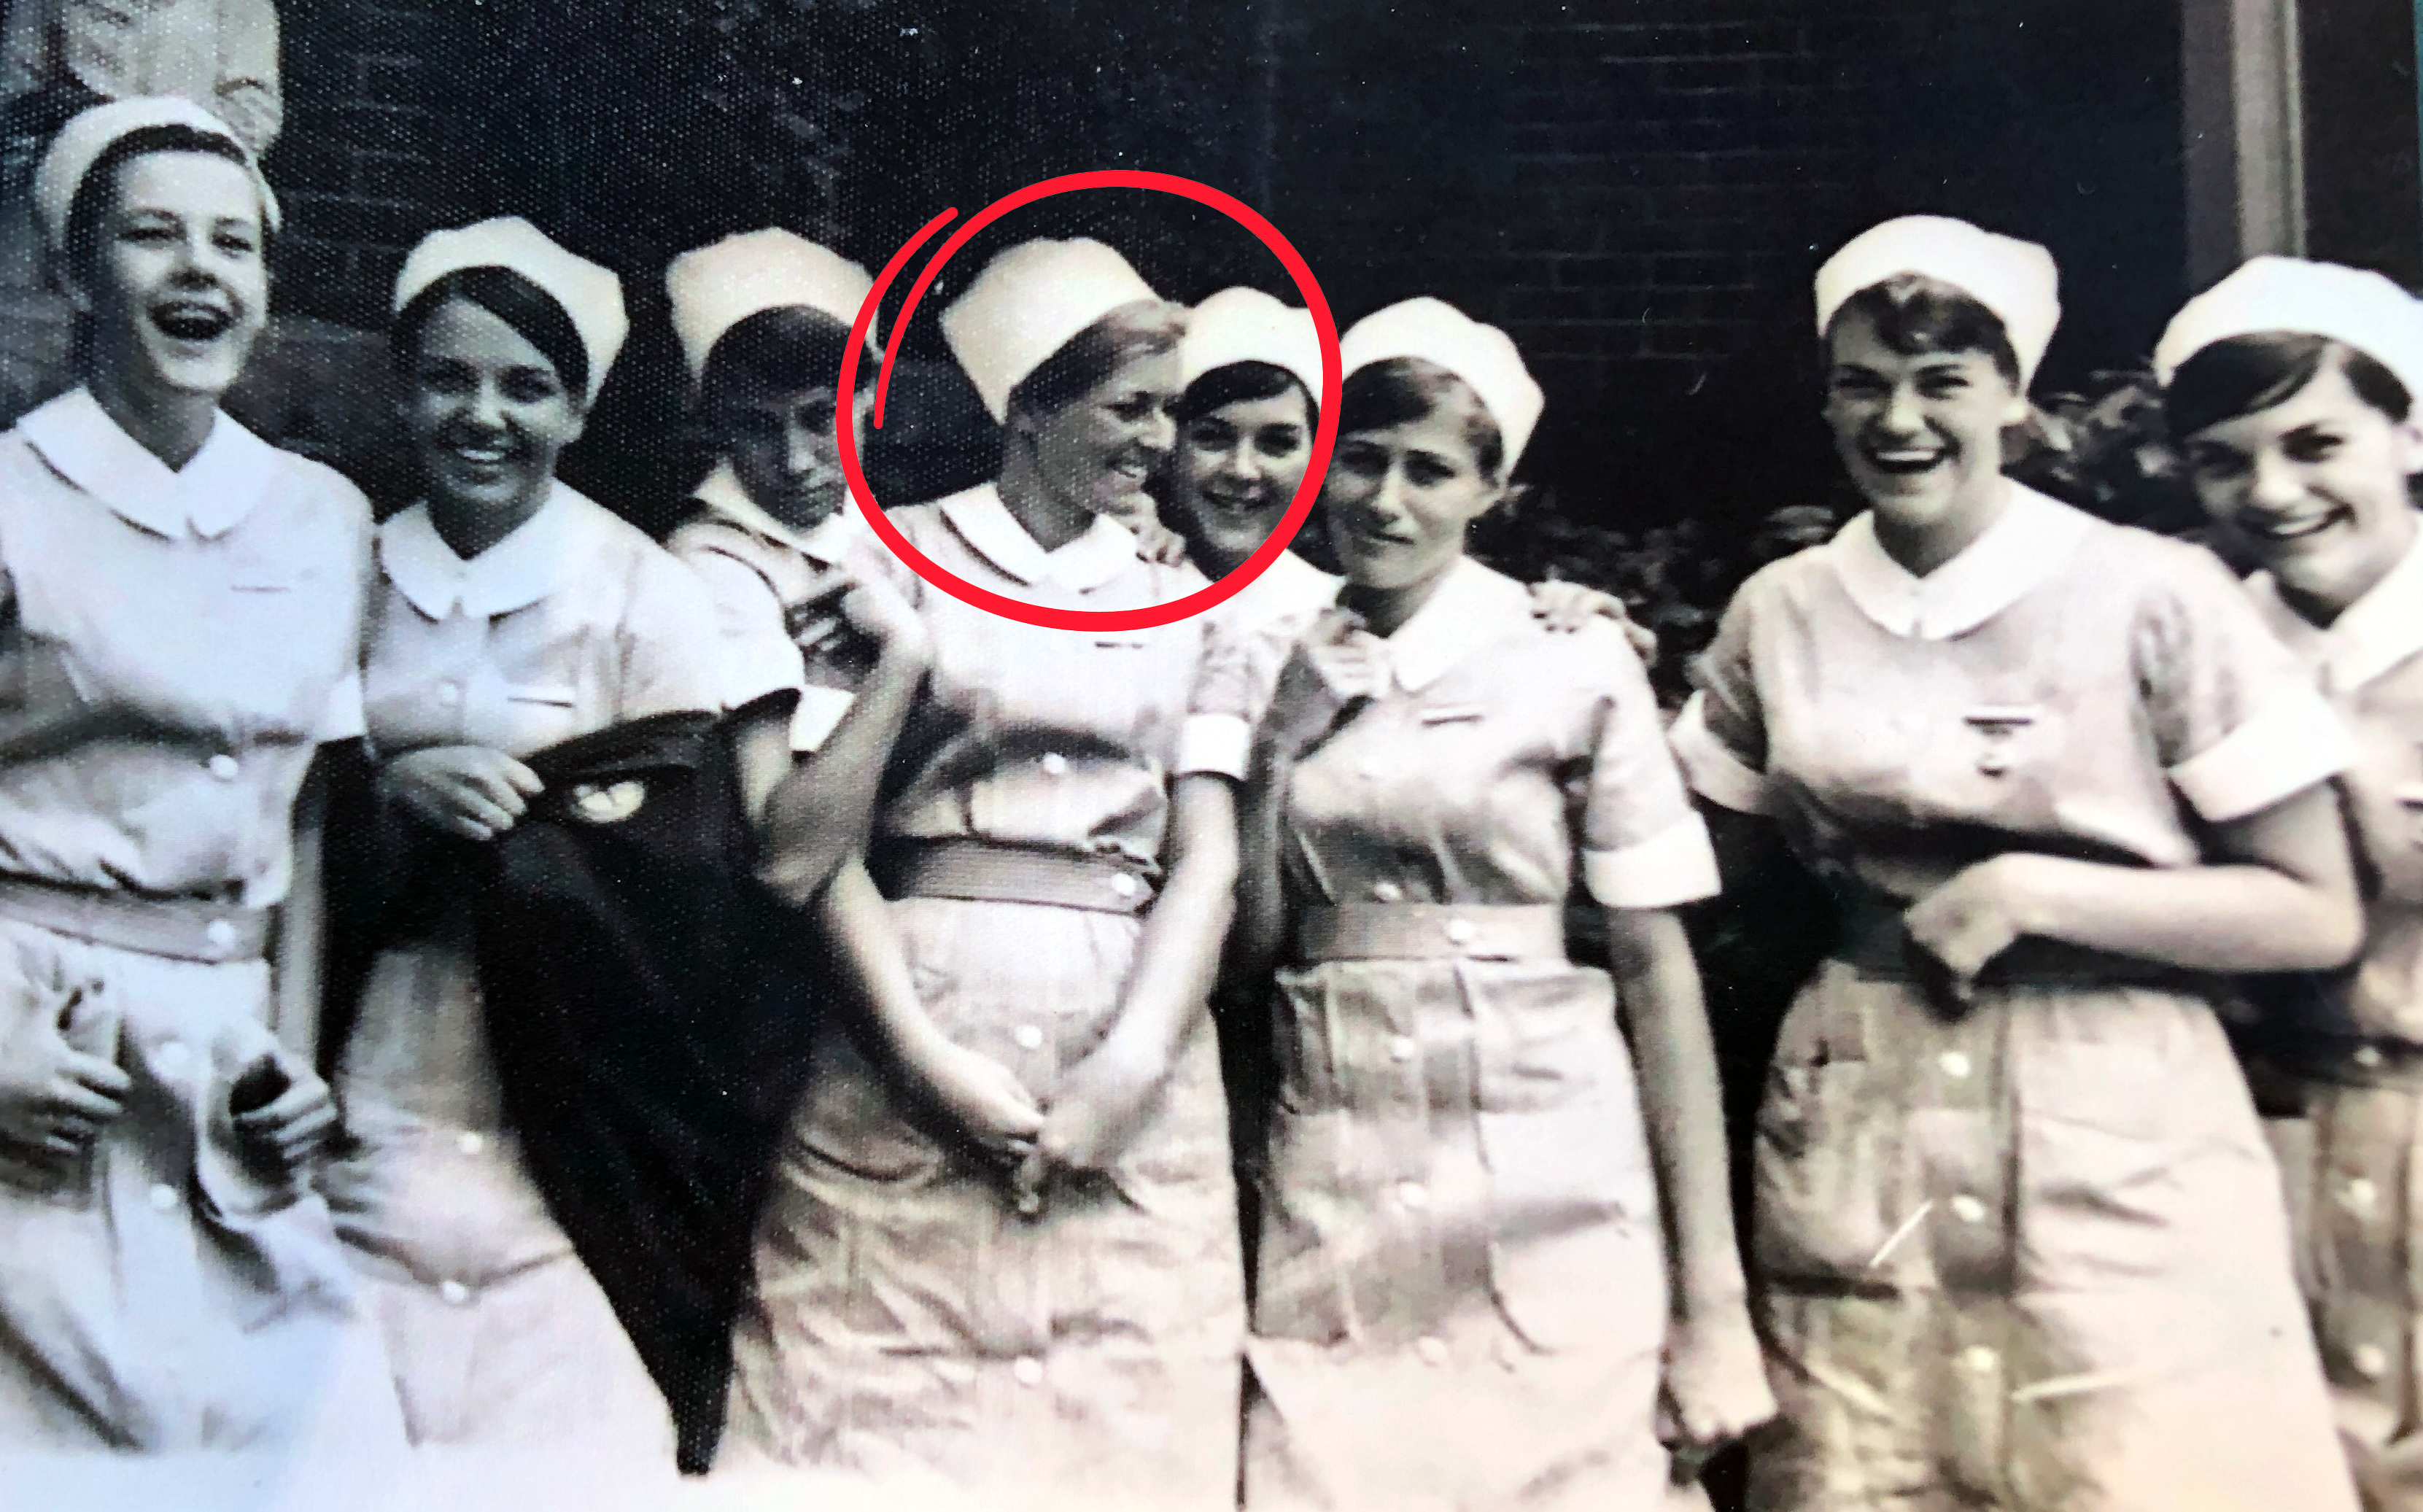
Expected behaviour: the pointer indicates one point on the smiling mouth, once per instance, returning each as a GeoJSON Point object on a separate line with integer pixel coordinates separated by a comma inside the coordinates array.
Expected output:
{"type": "Point", "coordinates": [2296, 528]}
{"type": "Point", "coordinates": [190, 321]}
{"type": "Point", "coordinates": [1239, 507]}
{"type": "Point", "coordinates": [482, 455]}
{"type": "Point", "coordinates": [1905, 461]}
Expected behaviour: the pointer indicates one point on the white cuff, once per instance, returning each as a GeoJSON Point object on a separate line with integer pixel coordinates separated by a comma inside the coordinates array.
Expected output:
{"type": "Point", "coordinates": [1713, 770]}
{"type": "Point", "coordinates": [344, 718]}
{"type": "Point", "coordinates": [1220, 743]}
{"type": "Point", "coordinates": [817, 716]}
{"type": "Point", "coordinates": [2296, 741]}
{"type": "Point", "coordinates": [1675, 865]}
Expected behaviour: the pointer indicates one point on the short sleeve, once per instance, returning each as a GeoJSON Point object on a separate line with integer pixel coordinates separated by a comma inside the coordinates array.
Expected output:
{"type": "Point", "coordinates": [1643, 845]}
{"type": "Point", "coordinates": [1720, 738]}
{"type": "Point", "coordinates": [669, 641]}
{"type": "Point", "coordinates": [1222, 708]}
{"type": "Point", "coordinates": [2237, 723]}
{"type": "Point", "coordinates": [754, 655]}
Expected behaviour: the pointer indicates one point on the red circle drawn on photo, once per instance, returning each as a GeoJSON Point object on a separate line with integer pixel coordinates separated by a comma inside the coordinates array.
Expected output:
{"type": "Point", "coordinates": [1324, 437]}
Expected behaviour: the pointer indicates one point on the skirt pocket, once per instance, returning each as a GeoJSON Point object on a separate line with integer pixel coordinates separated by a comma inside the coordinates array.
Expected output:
{"type": "Point", "coordinates": [1821, 1175]}
{"type": "Point", "coordinates": [2100, 1192]}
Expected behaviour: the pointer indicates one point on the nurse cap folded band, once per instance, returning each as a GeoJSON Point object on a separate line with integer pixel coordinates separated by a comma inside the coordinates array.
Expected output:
{"type": "Point", "coordinates": [714, 288]}
{"type": "Point", "coordinates": [1027, 304]}
{"type": "Point", "coordinates": [590, 295]}
{"type": "Point", "coordinates": [1484, 356]}
{"type": "Point", "coordinates": [2285, 293]}
{"type": "Point", "coordinates": [91, 133]}
{"type": "Point", "coordinates": [1248, 325]}
{"type": "Point", "coordinates": [2015, 279]}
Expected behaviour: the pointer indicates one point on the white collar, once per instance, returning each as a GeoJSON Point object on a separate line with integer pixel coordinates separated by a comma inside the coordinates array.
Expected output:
{"type": "Point", "coordinates": [826, 542]}
{"type": "Point", "coordinates": [1102, 553]}
{"type": "Point", "coordinates": [1286, 585]}
{"type": "Point", "coordinates": [541, 555]}
{"type": "Point", "coordinates": [2030, 541]}
{"type": "Point", "coordinates": [208, 497]}
{"type": "Point", "coordinates": [2372, 635]}
{"type": "Point", "coordinates": [1447, 626]}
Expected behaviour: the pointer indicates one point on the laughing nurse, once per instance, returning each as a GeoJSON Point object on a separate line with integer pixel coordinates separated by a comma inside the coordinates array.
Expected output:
{"type": "Point", "coordinates": [2019, 1239]}
{"type": "Point", "coordinates": [181, 605]}
{"type": "Point", "coordinates": [2290, 388]}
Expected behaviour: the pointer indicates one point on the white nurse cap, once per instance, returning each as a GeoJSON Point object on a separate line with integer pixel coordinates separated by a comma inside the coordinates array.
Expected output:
{"type": "Point", "coordinates": [1028, 303]}
{"type": "Point", "coordinates": [591, 294]}
{"type": "Point", "coordinates": [716, 287]}
{"type": "Point", "coordinates": [2015, 279]}
{"type": "Point", "coordinates": [91, 133]}
{"type": "Point", "coordinates": [1248, 325]}
{"type": "Point", "coordinates": [1484, 356]}
{"type": "Point", "coordinates": [2285, 293]}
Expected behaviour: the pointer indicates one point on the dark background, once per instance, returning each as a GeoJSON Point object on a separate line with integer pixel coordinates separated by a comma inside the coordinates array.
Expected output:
{"type": "Point", "coordinates": [1638, 190]}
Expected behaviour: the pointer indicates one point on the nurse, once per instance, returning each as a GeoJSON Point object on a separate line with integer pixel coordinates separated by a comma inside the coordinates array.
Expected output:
{"type": "Point", "coordinates": [802, 589]}
{"type": "Point", "coordinates": [511, 614]}
{"type": "Point", "coordinates": [1014, 1259]}
{"type": "Point", "coordinates": [1470, 1202]}
{"type": "Point", "coordinates": [182, 607]}
{"type": "Point", "coordinates": [2290, 390]}
{"type": "Point", "coordinates": [2019, 1239]}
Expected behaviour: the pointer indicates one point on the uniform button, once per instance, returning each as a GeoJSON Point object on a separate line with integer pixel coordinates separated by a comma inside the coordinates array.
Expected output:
{"type": "Point", "coordinates": [450, 694]}
{"type": "Point", "coordinates": [1028, 1370]}
{"type": "Point", "coordinates": [1979, 1358]}
{"type": "Point", "coordinates": [1433, 1351]}
{"type": "Point", "coordinates": [1028, 1037]}
{"type": "Point", "coordinates": [2370, 1361]}
{"type": "Point", "coordinates": [1461, 930]}
{"type": "Point", "coordinates": [220, 934]}
{"type": "Point", "coordinates": [1954, 1064]}
{"type": "Point", "coordinates": [2360, 1194]}
{"type": "Point", "coordinates": [171, 1057]}
{"type": "Point", "coordinates": [223, 768]}
{"type": "Point", "coordinates": [470, 1144]}
{"type": "Point", "coordinates": [1055, 764]}
{"type": "Point", "coordinates": [1968, 1209]}
{"type": "Point", "coordinates": [1414, 1195]}
{"type": "Point", "coordinates": [1125, 885]}
{"type": "Point", "coordinates": [1387, 892]}
{"type": "Point", "coordinates": [1401, 1048]}
{"type": "Point", "coordinates": [163, 1196]}
{"type": "Point", "coordinates": [2368, 1057]}
{"type": "Point", "coordinates": [454, 1293]}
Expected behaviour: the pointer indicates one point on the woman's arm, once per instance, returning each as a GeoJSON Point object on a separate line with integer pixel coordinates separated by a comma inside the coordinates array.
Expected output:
{"type": "Point", "coordinates": [2277, 893]}
{"type": "Point", "coordinates": [1716, 1381]}
{"type": "Point", "coordinates": [1105, 1096]}
{"type": "Point", "coordinates": [981, 1095]}
{"type": "Point", "coordinates": [819, 811]}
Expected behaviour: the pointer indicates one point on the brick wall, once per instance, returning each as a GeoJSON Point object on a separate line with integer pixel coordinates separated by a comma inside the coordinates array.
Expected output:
{"type": "Point", "coordinates": [369, 160]}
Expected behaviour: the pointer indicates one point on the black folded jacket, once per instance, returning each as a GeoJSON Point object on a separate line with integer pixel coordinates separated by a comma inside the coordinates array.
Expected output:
{"type": "Point", "coordinates": [650, 1007]}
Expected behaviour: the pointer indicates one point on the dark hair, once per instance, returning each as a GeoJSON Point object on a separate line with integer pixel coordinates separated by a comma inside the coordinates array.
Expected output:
{"type": "Point", "coordinates": [1913, 314]}
{"type": "Point", "coordinates": [1240, 383]}
{"type": "Point", "coordinates": [1405, 388]}
{"type": "Point", "coordinates": [790, 347]}
{"type": "Point", "coordinates": [82, 237]}
{"type": "Point", "coordinates": [529, 310]}
{"type": "Point", "coordinates": [2242, 375]}
{"type": "Point", "coordinates": [1145, 328]}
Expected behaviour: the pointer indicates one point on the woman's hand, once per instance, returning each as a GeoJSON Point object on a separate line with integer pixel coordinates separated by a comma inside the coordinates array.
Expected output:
{"type": "Point", "coordinates": [285, 1120]}
{"type": "Point", "coordinates": [981, 1096]}
{"type": "Point", "coordinates": [55, 1099]}
{"type": "Point", "coordinates": [1982, 912]}
{"type": "Point", "coordinates": [467, 791]}
{"type": "Point", "coordinates": [1157, 543]}
{"type": "Point", "coordinates": [1566, 607]}
{"type": "Point", "coordinates": [1716, 1386]}
{"type": "Point", "coordinates": [1102, 1105]}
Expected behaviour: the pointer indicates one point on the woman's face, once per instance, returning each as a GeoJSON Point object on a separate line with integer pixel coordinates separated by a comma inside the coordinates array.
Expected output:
{"type": "Point", "coordinates": [1237, 470]}
{"type": "Point", "coordinates": [487, 412]}
{"type": "Point", "coordinates": [1397, 501]}
{"type": "Point", "coordinates": [1101, 449]}
{"type": "Point", "coordinates": [178, 287]}
{"type": "Point", "coordinates": [1920, 434]}
{"type": "Point", "coordinates": [2314, 488]}
{"type": "Point", "coordinates": [782, 449]}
